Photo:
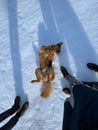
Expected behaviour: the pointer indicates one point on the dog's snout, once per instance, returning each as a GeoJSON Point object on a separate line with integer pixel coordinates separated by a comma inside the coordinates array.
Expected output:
{"type": "Point", "coordinates": [58, 49]}
{"type": "Point", "coordinates": [60, 43]}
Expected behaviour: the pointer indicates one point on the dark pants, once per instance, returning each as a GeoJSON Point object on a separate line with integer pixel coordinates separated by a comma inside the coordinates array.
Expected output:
{"type": "Point", "coordinates": [84, 115]}
{"type": "Point", "coordinates": [67, 115]}
{"type": "Point", "coordinates": [11, 123]}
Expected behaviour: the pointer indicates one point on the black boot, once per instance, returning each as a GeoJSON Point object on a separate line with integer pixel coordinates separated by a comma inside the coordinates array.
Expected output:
{"type": "Point", "coordinates": [93, 66]}
{"type": "Point", "coordinates": [67, 91]}
{"type": "Point", "coordinates": [16, 105]}
{"type": "Point", "coordinates": [64, 71]}
{"type": "Point", "coordinates": [23, 109]}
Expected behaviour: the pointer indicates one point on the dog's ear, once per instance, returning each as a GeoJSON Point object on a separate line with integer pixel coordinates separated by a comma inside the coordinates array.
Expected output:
{"type": "Point", "coordinates": [42, 49]}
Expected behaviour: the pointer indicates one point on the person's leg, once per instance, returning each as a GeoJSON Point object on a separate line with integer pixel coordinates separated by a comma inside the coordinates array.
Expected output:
{"type": "Point", "coordinates": [72, 80]}
{"type": "Point", "coordinates": [67, 114]}
{"type": "Point", "coordinates": [74, 83]}
{"type": "Point", "coordinates": [86, 101]}
{"type": "Point", "coordinates": [12, 122]}
{"type": "Point", "coordinates": [12, 110]}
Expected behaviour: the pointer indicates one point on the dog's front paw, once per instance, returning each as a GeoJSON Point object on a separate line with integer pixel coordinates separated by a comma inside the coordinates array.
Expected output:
{"type": "Point", "coordinates": [32, 81]}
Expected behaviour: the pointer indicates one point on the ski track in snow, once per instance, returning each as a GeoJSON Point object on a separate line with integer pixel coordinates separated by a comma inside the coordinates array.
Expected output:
{"type": "Point", "coordinates": [27, 25]}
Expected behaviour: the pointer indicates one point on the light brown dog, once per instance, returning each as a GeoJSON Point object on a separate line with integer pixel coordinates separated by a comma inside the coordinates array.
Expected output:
{"type": "Point", "coordinates": [46, 73]}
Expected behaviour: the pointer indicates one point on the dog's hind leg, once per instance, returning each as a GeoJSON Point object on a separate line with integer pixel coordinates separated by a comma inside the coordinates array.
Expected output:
{"type": "Point", "coordinates": [39, 76]}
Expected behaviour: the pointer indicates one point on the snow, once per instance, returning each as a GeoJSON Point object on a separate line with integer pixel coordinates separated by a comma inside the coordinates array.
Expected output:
{"type": "Point", "coordinates": [27, 25]}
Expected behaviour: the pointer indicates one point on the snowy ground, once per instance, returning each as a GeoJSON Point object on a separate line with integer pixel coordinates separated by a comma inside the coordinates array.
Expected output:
{"type": "Point", "coordinates": [26, 25]}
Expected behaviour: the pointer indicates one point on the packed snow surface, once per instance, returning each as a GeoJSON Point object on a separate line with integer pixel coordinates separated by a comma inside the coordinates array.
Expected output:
{"type": "Point", "coordinates": [26, 25]}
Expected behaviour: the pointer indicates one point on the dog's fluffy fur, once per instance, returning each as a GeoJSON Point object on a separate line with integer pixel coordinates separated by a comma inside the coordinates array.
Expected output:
{"type": "Point", "coordinates": [46, 73]}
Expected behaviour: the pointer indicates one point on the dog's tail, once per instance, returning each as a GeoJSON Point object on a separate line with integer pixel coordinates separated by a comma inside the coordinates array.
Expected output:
{"type": "Point", "coordinates": [46, 90]}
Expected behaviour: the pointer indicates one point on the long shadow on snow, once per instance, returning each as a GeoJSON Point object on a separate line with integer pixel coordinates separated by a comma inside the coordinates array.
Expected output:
{"type": "Point", "coordinates": [61, 22]}
{"type": "Point", "coordinates": [77, 41]}
{"type": "Point", "coordinates": [14, 48]}
{"type": "Point", "coordinates": [48, 33]}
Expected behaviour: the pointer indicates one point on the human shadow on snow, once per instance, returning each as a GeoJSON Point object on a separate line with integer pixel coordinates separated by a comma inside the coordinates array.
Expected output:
{"type": "Point", "coordinates": [62, 24]}
{"type": "Point", "coordinates": [14, 48]}
{"type": "Point", "coordinates": [47, 31]}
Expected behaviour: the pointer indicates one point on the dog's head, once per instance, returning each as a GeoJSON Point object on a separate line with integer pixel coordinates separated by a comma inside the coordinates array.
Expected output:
{"type": "Point", "coordinates": [51, 51]}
